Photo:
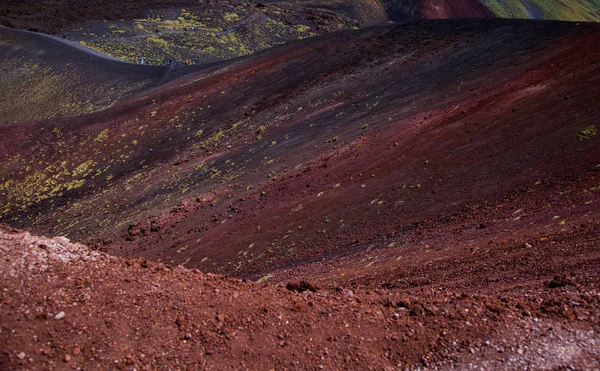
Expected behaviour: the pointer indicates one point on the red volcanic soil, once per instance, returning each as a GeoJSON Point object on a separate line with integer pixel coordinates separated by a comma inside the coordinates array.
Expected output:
{"type": "Point", "coordinates": [441, 9]}
{"type": "Point", "coordinates": [430, 145]}
{"type": "Point", "coordinates": [402, 10]}
{"type": "Point", "coordinates": [63, 306]}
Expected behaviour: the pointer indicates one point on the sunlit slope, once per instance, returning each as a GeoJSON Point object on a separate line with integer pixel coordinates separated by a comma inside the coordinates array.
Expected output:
{"type": "Point", "coordinates": [567, 10]}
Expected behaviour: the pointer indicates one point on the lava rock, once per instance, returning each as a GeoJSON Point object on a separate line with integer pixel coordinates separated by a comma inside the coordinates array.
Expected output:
{"type": "Point", "coordinates": [559, 281]}
{"type": "Point", "coordinates": [301, 286]}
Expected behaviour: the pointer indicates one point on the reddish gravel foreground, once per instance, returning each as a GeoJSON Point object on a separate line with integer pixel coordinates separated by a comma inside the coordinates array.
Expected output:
{"type": "Point", "coordinates": [63, 306]}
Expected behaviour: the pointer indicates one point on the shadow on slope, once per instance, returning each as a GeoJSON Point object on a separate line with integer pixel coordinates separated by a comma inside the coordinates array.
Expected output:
{"type": "Point", "coordinates": [43, 77]}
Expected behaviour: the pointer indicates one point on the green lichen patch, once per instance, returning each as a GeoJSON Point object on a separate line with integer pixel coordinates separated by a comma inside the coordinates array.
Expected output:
{"type": "Point", "coordinates": [587, 133]}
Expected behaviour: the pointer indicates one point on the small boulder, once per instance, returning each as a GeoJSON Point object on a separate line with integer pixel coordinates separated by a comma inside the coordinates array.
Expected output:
{"type": "Point", "coordinates": [559, 281]}
{"type": "Point", "coordinates": [301, 286]}
{"type": "Point", "coordinates": [155, 226]}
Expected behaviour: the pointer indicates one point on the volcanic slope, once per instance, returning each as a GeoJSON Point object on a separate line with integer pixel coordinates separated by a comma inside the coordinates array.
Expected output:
{"type": "Point", "coordinates": [567, 10]}
{"type": "Point", "coordinates": [42, 77]}
{"type": "Point", "coordinates": [389, 138]}
{"type": "Point", "coordinates": [64, 306]}
{"type": "Point", "coordinates": [219, 31]}
{"type": "Point", "coordinates": [52, 16]}
{"type": "Point", "coordinates": [403, 10]}
{"type": "Point", "coordinates": [204, 32]}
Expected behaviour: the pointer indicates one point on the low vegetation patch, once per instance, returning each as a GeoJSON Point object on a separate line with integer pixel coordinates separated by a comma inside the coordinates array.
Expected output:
{"type": "Point", "coordinates": [587, 133]}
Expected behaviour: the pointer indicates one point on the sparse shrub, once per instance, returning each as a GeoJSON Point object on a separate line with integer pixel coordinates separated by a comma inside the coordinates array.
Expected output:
{"type": "Point", "coordinates": [231, 17]}
{"type": "Point", "coordinates": [265, 278]}
{"type": "Point", "coordinates": [587, 133]}
{"type": "Point", "coordinates": [301, 28]}
{"type": "Point", "coordinates": [102, 137]}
